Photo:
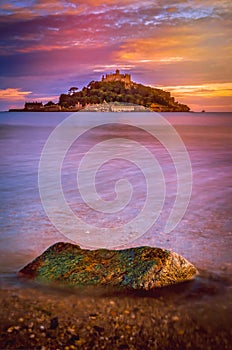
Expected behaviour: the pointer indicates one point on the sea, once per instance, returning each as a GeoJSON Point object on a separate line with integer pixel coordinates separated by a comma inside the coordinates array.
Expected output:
{"type": "Point", "coordinates": [113, 180]}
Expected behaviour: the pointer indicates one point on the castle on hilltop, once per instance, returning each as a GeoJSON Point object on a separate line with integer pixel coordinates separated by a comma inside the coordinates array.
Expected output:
{"type": "Point", "coordinates": [117, 76]}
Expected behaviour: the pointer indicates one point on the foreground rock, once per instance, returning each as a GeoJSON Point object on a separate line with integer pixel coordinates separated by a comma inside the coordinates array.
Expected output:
{"type": "Point", "coordinates": [134, 268]}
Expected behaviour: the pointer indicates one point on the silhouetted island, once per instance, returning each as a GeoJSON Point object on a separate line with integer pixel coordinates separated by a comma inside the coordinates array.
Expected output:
{"type": "Point", "coordinates": [115, 92]}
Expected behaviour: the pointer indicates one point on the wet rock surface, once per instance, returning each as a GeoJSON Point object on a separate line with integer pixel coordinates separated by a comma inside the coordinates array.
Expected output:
{"type": "Point", "coordinates": [142, 268]}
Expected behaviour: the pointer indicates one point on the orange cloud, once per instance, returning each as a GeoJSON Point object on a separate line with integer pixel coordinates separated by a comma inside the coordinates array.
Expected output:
{"type": "Point", "coordinates": [12, 94]}
{"type": "Point", "coordinates": [171, 48]}
{"type": "Point", "coordinates": [155, 50]}
{"type": "Point", "coordinates": [203, 90]}
{"type": "Point", "coordinates": [192, 41]}
{"type": "Point", "coordinates": [213, 97]}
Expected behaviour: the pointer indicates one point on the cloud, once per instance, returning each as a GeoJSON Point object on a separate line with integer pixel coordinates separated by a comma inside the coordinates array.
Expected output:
{"type": "Point", "coordinates": [168, 9]}
{"type": "Point", "coordinates": [203, 90]}
{"type": "Point", "coordinates": [45, 46]}
{"type": "Point", "coordinates": [214, 96]}
{"type": "Point", "coordinates": [194, 41]}
{"type": "Point", "coordinates": [78, 23]}
{"type": "Point", "coordinates": [12, 94]}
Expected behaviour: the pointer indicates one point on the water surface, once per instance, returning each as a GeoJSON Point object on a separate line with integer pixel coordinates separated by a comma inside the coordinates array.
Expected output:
{"type": "Point", "coordinates": [203, 236]}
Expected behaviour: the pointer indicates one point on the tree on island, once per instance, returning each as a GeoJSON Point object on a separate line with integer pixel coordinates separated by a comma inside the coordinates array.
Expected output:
{"type": "Point", "coordinates": [50, 103]}
{"type": "Point", "coordinates": [72, 90]}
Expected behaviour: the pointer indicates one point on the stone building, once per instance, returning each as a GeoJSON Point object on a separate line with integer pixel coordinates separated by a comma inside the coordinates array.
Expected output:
{"type": "Point", "coordinates": [33, 106]}
{"type": "Point", "coordinates": [117, 76]}
{"type": "Point", "coordinates": [114, 107]}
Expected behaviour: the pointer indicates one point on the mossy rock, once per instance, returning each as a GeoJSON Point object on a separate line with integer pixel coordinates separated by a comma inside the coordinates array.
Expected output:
{"type": "Point", "coordinates": [135, 268]}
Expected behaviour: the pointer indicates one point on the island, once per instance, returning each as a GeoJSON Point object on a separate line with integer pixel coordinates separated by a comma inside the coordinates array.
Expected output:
{"type": "Point", "coordinates": [115, 92]}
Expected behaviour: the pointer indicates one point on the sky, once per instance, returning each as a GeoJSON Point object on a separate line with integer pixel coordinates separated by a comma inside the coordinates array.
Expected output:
{"type": "Point", "coordinates": [184, 47]}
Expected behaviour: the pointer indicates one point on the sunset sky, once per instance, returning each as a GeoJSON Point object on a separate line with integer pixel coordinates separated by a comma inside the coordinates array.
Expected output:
{"type": "Point", "coordinates": [184, 47]}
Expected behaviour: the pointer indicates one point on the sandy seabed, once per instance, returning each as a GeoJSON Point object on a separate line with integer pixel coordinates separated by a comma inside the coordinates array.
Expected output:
{"type": "Point", "coordinates": [192, 315]}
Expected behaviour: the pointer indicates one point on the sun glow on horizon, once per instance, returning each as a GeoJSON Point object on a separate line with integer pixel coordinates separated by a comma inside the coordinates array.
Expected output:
{"type": "Point", "coordinates": [209, 90]}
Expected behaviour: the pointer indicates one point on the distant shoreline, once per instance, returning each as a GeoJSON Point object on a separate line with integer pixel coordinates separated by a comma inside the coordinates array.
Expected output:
{"type": "Point", "coordinates": [84, 111]}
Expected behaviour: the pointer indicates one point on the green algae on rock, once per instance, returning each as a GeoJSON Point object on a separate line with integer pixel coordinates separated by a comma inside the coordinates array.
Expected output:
{"type": "Point", "coordinates": [135, 268]}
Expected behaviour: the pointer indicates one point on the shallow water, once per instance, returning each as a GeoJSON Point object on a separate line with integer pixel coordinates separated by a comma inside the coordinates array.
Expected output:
{"type": "Point", "coordinates": [203, 235]}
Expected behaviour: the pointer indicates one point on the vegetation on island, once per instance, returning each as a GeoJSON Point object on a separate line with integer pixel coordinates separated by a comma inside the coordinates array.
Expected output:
{"type": "Point", "coordinates": [98, 92]}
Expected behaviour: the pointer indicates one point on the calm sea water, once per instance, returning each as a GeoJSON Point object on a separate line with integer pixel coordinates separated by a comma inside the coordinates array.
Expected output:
{"type": "Point", "coordinates": [203, 236]}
